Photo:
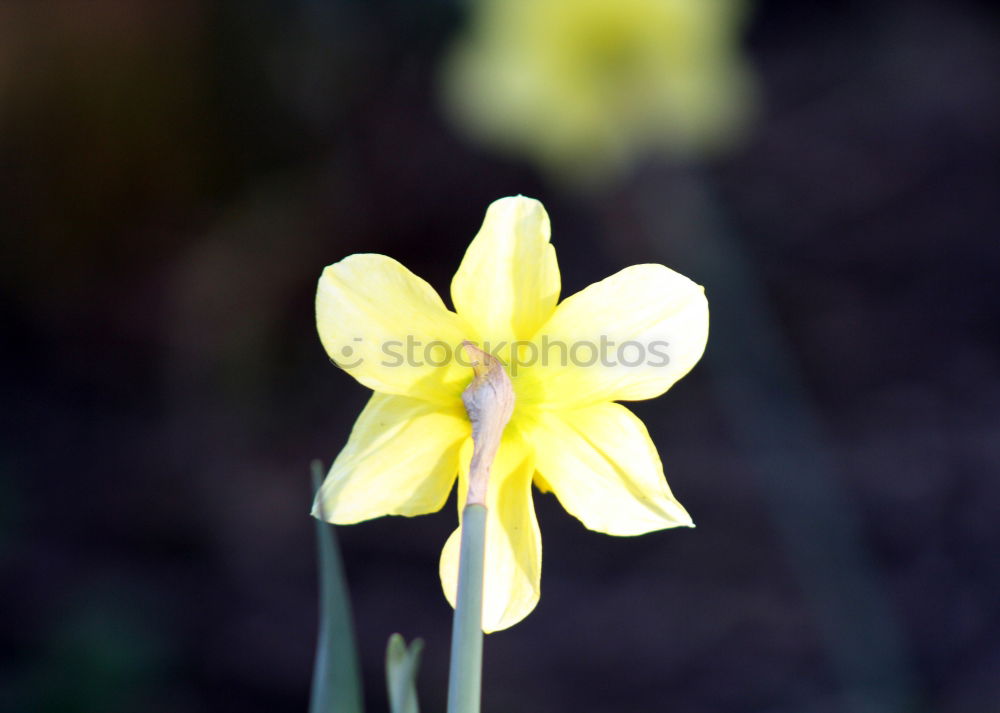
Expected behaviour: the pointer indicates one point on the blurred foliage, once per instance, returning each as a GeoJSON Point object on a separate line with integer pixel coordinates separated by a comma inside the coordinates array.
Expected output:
{"type": "Point", "coordinates": [99, 654]}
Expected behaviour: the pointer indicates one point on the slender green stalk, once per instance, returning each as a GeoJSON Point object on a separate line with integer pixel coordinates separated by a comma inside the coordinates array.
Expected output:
{"type": "Point", "coordinates": [465, 674]}
{"type": "Point", "coordinates": [489, 401]}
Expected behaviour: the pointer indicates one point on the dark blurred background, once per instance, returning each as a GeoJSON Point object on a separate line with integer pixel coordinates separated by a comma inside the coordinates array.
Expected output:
{"type": "Point", "coordinates": [176, 173]}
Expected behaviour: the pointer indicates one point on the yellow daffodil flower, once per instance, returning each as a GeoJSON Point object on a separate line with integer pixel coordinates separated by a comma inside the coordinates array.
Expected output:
{"type": "Point", "coordinates": [585, 87]}
{"type": "Point", "coordinates": [627, 337]}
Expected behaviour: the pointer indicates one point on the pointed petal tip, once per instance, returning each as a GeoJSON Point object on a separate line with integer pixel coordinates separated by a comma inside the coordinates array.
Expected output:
{"type": "Point", "coordinates": [316, 512]}
{"type": "Point", "coordinates": [517, 199]}
{"type": "Point", "coordinates": [521, 208]}
{"type": "Point", "coordinates": [683, 520]}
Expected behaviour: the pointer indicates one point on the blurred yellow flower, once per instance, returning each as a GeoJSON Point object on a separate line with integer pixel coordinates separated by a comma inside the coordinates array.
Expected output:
{"type": "Point", "coordinates": [628, 337]}
{"type": "Point", "coordinates": [585, 87]}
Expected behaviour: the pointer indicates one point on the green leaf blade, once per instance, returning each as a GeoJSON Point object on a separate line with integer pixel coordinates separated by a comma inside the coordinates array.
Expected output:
{"type": "Point", "coordinates": [336, 684]}
{"type": "Point", "coordinates": [401, 665]}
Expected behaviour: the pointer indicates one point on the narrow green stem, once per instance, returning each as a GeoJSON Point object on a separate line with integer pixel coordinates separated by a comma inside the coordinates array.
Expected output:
{"type": "Point", "coordinates": [465, 674]}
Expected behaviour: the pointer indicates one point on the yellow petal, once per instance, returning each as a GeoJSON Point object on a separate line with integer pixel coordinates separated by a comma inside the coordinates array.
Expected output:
{"type": "Point", "coordinates": [513, 567]}
{"type": "Point", "coordinates": [603, 467]}
{"type": "Point", "coordinates": [401, 459]}
{"type": "Point", "coordinates": [627, 337]}
{"type": "Point", "coordinates": [508, 282]}
{"type": "Point", "coordinates": [389, 329]}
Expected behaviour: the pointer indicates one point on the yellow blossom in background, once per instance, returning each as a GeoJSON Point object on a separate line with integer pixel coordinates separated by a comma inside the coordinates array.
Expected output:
{"type": "Point", "coordinates": [585, 87]}
{"type": "Point", "coordinates": [391, 331]}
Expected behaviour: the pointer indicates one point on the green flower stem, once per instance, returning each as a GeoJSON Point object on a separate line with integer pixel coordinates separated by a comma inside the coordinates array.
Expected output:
{"type": "Point", "coordinates": [465, 674]}
{"type": "Point", "coordinates": [489, 401]}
